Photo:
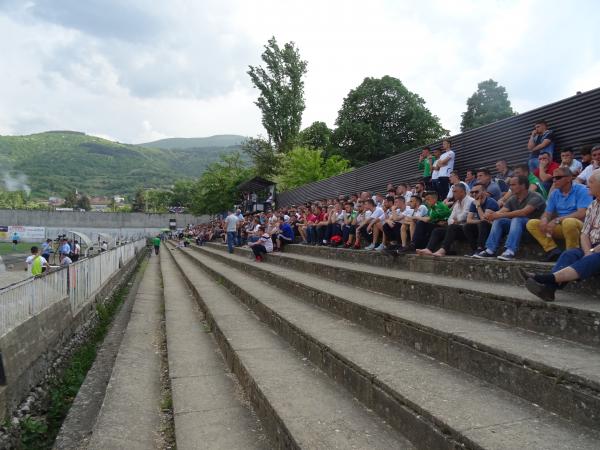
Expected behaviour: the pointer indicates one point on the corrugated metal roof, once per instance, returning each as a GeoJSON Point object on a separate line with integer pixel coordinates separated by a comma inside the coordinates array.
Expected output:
{"type": "Point", "coordinates": [575, 121]}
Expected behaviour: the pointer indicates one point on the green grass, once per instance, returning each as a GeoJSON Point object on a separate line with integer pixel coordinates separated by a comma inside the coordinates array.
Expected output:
{"type": "Point", "coordinates": [6, 248]}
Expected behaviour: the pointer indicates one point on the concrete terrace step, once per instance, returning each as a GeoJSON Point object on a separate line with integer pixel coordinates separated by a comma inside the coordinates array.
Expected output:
{"type": "Point", "coordinates": [208, 410]}
{"type": "Point", "coordinates": [420, 396]}
{"type": "Point", "coordinates": [572, 316]}
{"type": "Point", "coordinates": [130, 415]}
{"type": "Point", "coordinates": [559, 375]}
{"type": "Point", "coordinates": [299, 406]}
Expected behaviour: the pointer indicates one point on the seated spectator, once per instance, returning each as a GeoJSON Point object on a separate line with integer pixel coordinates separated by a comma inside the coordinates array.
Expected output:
{"type": "Point", "coordinates": [503, 176]}
{"type": "Point", "coordinates": [426, 160]}
{"type": "Point", "coordinates": [378, 199]}
{"type": "Point", "coordinates": [349, 226]}
{"type": "Point", "coordinates": [511, 219]}
{"type": "Point", "coordinates": [546, 168]}
{"type": "Point", "coordinates": [535, 185]}
{"type": "Point", "coordinates": [563, 218]}
{"type": "Point", "coordinates": [576, 263]}
{"type": "Point", "coordinates": [477, 228]}
{"type": "Point", "coordinates": [367, 229]}
{"type": "Point", "coordinates": [334, 228]}
{"type": "Point", "coordinates": [586, 157]}
{"type": "Point", "coordinates": [454, 180]}
{"type": "Point", "coordinates": [567, 159]}
{"type": "Point", "coordinates": [253, 230]}
{"type": "Point", "coordinates": [412, 213]}
{"type": "Point", "coordinates": [312, 219]}
{"type": "Point", "coordinates": [388, 206]}
{"type": "Point", "coordinates": [361, 221]}
{"type": "Point", "coordinates": [393, 224]}
{"type": "Point", "coordinates": [285, 234]}
{"type": "Point", "coordinates": [438, 215]}
{"type": "Point", "coordinates": [595, 164]}
{"type": "Point", "coordinates": [447, 235]}
{"type": "Point", "coordinates": [445, 166]}
{"type": "Point", "coordinates": [484, 178]}
{"type": "Point", "coordinates": [471, 178]}
{"type": "Point", "coordinates": [419, 189]}
{"type": "Point", "coordinates": [261, 247]}
{"type": "Point", "coordinates": [540, 141]}
{"type": "Point", "coordinates": [404, 191]}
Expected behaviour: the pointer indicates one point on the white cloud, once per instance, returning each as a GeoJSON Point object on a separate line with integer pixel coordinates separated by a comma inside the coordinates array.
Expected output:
{"type": "Point", "coordinates": [143, 70]}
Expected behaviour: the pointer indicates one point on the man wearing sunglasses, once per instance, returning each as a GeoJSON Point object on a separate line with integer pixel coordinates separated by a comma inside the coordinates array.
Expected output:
{"type": "Point", "coordinates": [563, 218]}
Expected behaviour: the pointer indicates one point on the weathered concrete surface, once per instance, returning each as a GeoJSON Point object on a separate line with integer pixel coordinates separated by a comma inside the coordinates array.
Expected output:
{"type": "Point", "coordinates": [208, 408]}
{"type": "Point", "coordinates": [79, 423]}
{"type": "Point", "coordinates": [130, 414]}
{"type": "Point", "coordinates": [388, 377]}
{"type": "Point", "coordinates": [298, 405]}
{"type": "Point", "coordinates": [560, 375]}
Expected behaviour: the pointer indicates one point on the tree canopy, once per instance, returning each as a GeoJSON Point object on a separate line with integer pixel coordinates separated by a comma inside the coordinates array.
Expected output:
{"type": "Point", "coordinates": [281, 87]}
{"type": "Point", "coordinates": [382, 117]}
{"type": "Point", "coordinates": [489, 104]}
{"type": "Point", "coordinates": [262, 154]}
{"type": "Point", "coordinates": [316, 136]}
{"type": "Point", "coordinates": [303, 165]}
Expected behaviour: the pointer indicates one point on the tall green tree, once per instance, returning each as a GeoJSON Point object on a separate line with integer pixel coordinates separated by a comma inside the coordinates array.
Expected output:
{"type": "Point", "coordinates": [262, 154]}
{"type": "Point", "coordinates": [139, 201]}
{"type": "Point", "coordinates": [316, 136]}
{"type": "Point", "coordinates": [216, 190]}
{"type": "Point", "coordinates": [380, 118]}
{"type": "Point", "coordinates": [83, 202]}
{"type": "Point", "coordinates": [281, 87]}
{"type": "Point", "coordinates": [183, 191]}
{"type": "Point", "coordinates": [71, 199]}
{"type": "Point", "coordinates": [489, 104]}
{"type": "Point", "coordinates": [303, 165]}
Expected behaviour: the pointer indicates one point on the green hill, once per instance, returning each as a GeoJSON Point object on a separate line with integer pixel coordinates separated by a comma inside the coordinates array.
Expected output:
{"type": "Point", "coordinates": [56, 162]}
{"type": "Point", "coordinates": [220, 140]}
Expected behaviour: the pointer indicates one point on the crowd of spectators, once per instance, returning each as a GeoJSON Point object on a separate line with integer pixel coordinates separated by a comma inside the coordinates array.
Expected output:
{"type": "Point", "coordinates": [490, 209]}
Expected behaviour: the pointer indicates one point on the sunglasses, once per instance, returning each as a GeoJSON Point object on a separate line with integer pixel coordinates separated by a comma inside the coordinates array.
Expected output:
{"type": "Point", "coordinates": [558, 177]}
{"type": "Point", "coordinates": [475, 192]}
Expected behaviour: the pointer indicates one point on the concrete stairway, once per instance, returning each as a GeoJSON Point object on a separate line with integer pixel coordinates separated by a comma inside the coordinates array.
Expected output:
{"type": "Point", "coordinates": [466, 358]}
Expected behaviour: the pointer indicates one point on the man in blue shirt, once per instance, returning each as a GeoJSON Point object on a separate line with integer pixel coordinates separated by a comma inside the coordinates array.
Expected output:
{"type": "Point", "coordinates": [540, 141]}
{"type": "Point", "coordinates": [65, 248]}
{"type": "Point", "coordinates": [285, 234]}
{"type": "Point", "coordinates": [477, 229]}
{"type": "Point", "coordinates": [563, 218]}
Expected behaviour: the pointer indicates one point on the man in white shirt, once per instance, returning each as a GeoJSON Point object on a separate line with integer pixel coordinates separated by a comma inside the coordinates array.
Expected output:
{"type": "Point", "coordinates": [36, 264]}
{"type": "Point", "coordinates": [368, 227]}
{"type": "Point", "coordinates": [415, 209]}
{"type": "Point", "coordinates": [447, 235]}
{"type": "Point", "coordinates": [76, 251]}
{"type": "Point", "coordinates": [595, 164]}
{"type": "Point", "coordinates": [567, 159]}
{"type": "Point", "coordinates": [445, 166]}
{"type": "Point", "coordinates": [231, 225]}
{"type": "Point", "coordinates": [454, 180]}
{"type": "Point", "coordinates": [435, 171]}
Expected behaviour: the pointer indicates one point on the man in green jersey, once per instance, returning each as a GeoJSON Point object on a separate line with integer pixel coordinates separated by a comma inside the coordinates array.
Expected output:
{"type": "Point", "coordinates": [156, 243]}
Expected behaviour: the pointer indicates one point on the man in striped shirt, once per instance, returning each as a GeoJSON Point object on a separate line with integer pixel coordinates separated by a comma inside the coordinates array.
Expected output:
{"type": "Point", "coordinates": [577, 263]}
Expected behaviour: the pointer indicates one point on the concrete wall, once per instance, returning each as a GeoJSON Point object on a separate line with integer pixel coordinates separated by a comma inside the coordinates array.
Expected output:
{"type": "Point", "coordinates": [94, 220]}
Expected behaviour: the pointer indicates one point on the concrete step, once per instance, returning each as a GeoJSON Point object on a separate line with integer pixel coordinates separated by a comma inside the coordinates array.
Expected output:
{"type": "Point", "coordinates": [435, 405]}
{"type": "Point", "coordinates": [572, 316]}
{"type": "Point", "coordinates": [208, 410]}
{"type": "Point", "coordinates": [130, 414]}
{"type": "Point", "coordinates": [299, 406]}
{"type": "Point", "coordinates": [561, 376]}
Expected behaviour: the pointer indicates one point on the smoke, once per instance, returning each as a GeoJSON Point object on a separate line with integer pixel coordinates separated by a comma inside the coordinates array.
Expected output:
{"type": "Point", "coordinates": [16, 182]}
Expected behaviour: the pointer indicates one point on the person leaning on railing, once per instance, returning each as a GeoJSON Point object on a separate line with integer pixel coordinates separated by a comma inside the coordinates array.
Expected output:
{"type": "Point", "coordinates": [577, 263]}
{"type": "Point", "coordinates": [36, 264]}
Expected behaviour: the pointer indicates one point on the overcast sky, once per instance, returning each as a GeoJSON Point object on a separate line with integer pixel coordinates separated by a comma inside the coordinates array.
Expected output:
{"type": "Point", "coordinates": [137, 71]}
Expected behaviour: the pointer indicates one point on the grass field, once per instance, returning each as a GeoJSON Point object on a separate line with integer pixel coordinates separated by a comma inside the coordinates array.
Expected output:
{"type": "Point", "coordinates": [6, 248]}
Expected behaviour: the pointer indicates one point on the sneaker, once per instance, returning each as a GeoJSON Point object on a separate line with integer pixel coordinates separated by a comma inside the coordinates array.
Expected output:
{"type": "Point", "coordinates": [410, 248]}
{"type": "Point", "coordinates": [524, 274]}
{"type": "Point", "coordinates": [507, 256]}
{"type": "Point", "coordinates": [552, 255]}
{"type": "Point", "coordinates": [391, 252]}
{"type": "Point", "coordinates": [380, 247]}
{"type": "Point", "coordinates": [541, 290]}
{"type": "Point", "coordinates": [484, 254]}
{"type": "Point", "coordinates": [370, 247]}
{"type": "Point", "coordinates": [304, 243]}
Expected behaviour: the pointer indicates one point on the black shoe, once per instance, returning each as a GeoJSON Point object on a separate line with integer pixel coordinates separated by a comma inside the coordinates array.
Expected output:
{"type": "Point", "coordinates": [541, 290]}
{"type": "Point", "coordinates": [390, 252]}
{"type": "Point", "coordinates": [484, 254]}
{"type": "Point", "coordinates": [552, 255]}
{"type": "Point", "coordinates": [524, 274]}
{"type": "Point", "coordinates": [410, 248]}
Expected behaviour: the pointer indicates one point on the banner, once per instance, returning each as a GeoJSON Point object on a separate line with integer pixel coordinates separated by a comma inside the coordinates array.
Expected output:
{"type": "Point", "coordinates": [25, 234]}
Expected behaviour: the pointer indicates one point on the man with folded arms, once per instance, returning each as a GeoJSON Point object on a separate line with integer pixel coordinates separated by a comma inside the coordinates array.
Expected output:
{"type": "Point", "coordinates": [447, 235]}
{"type": "Point", "coordinates": [577, 263]}
{"type": "Point", "coordinates": [511, 219]}
{"type": "Point", "coordinates": [563, 218]}
{"type": "Point", "coordinates": [477, 229]}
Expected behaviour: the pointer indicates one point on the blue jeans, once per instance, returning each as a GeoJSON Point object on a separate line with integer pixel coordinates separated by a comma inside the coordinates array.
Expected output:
{"type": "Point", "coordinates": [231, 237]}
{"type": "Point", "coordinates": [585, 266]}
{"type": "Point", "coordinates": [514, 227]}
{"type": "Point", "coordinates": [311, 234]}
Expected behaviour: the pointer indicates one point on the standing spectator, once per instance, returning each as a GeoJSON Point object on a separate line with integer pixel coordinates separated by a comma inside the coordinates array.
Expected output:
{"type": "Point", "coordinates": [438, 215]}
{"type": "Point", "coordinates": [447, 235]}
{"type": "Point", "coordinates": [504, 175]}
{"type": "Point", "coordinates": [563, 218]}
{"type": "Point", "coordinates": [36, 264]}
{"type": "Point", "coordinates": [76, 250]}
{"type": "Point", "coordinates": [231, 226]}
{"type": "Point", "coordinates": [567, 159]}
{"type": "Point", "coordinates": [156, 244]}
{"type": "Point", "coordinates": [484, 178]}
{"type": "Point", "coordinates": [426, 161]}
{"type": "Point", "coordinates": [546, 168]}
{"type": "Point", "coordinates": [540, 141]}
{"type": "Point", "coordinates": [47, 249]}
{"type": "Point", "coordinates": [577, 263]}
{"type": "Point", "coordinates": [435, 171]}
{"type": "Point", "coordinates": [445, 165]}
{"type": "Point", "coordinates": [594, 164]}
{"type": "Point", "coordinates": [511, 219]}
{"type": "Point", "coordinates": [477, 229]}
{"type": "Point", "coordinates": [65, 248]}
{"type": "Point", "coordinates": [103, 247]}
{"type": "Point", "coordinates": [261, 247]}
{"type": "Point", "coordinates": [15, 240]}
{"type": "Point", "coordinates": [470, 178]}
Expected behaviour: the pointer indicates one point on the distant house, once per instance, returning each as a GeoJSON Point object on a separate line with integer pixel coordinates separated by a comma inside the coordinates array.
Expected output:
{"type": "Point", "coordinates": [100, 203]}
{"type": "Point", "coordinates": [55, 201]}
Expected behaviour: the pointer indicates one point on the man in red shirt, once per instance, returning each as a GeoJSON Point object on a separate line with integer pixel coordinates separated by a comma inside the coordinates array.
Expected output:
{"type": "Point", "coordinates": [546, 169]}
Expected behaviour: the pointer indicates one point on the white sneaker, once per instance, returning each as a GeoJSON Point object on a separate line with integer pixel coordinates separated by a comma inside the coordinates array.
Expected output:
{"type": "Point", "coordinates": [370, 247]}
{"type": "Point", "coordinates": [507, 256]}
{"type": "Point", "coordinates": [380, 247]}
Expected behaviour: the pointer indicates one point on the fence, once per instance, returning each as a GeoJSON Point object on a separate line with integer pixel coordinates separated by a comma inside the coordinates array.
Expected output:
{"type": "Point", "coordinates": [78, 282]}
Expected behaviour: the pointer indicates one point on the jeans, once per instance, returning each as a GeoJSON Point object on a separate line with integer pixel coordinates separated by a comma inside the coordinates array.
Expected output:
{"type": "Point", "coordinates": [347, 231]}
{"type": "Point", "coordinates": [422, 232]}
{"type": "Point", "coordinates": [514, 227]}
{"type": "Point", "coordinates": [569, 230]}
{"type": "Point", "coordinates": [443, 187]}
{"type": "Point", "coordinates": [477, 234]}
{"type": "Point", "coordinates": [311, 234]}
{"type": "Point", "coordinates": [446, 237]}
{"type": "Point", "coordinates": [231, 237]}
{"type": "Point", "coordinates": [585, 266]}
